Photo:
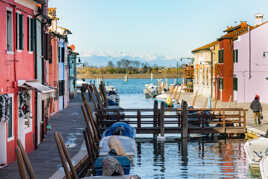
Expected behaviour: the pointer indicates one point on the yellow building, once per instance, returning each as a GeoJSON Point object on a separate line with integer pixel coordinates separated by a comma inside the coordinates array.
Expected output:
{"type": "Point", "coordinates": [205, 58]}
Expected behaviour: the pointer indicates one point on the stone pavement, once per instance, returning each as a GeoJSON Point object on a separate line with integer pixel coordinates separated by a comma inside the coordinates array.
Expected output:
{"type": "Point", "coordinates": [46, 160]}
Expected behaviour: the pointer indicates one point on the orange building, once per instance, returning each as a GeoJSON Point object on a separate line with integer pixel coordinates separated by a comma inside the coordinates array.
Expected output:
{"type": "Point", "coordinates": [224, 68]}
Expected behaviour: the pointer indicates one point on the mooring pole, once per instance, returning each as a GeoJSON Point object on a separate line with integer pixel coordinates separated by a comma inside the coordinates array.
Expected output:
{"type": "Point", "coordinates": [155, 119]}
{"type": "Point", "coordinates": [184, 115]}
{"type": "Point", "coordinates": [162, 126]}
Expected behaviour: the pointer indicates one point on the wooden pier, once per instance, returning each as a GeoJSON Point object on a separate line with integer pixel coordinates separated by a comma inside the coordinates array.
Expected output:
{"type": "Point", "coordinates": [161, 120]}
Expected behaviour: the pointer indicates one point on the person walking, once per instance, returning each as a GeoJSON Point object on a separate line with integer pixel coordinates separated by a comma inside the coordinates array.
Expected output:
{"type": "Point", "coordinates": [256, 107]}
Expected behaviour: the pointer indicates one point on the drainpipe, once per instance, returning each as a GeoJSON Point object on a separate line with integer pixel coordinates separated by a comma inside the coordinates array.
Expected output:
{"type": "Point", "coordinates": [249, 52]}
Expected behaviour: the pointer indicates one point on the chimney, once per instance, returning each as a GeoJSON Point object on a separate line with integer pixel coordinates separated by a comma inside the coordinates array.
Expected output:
{"type": "Point", "coordinates": [258, 18]}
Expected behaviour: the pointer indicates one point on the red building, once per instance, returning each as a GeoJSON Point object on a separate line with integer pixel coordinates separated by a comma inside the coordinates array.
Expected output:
{"type": "Point", "coordinates": [224, 68]}
{"type": "Point", "coordinates": [18, 87]}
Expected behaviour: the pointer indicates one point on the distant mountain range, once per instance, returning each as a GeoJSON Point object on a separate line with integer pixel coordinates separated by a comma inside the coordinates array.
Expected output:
{"type": "Point", "coordinates": [101, 61]}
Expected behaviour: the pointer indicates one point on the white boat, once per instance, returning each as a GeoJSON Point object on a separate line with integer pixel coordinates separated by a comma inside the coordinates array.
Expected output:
{"type": "Point", "coordinates": [126, 78]}
{"type": "Point", "coordinates": [264, 165]}
{"type": "Point", "coordinates": [150, 90]}
{"type": "Point", "coordinates": [80, 82]}
{"type": "Point", "coordinates": [255, 151]}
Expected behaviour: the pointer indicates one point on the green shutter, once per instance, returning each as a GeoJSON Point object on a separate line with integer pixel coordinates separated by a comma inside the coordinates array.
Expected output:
{"type": "Point", "coordinates": [32, 34]}
{"type": "Point", "coordinates": [28, 32]}
{"type": "Point", "coordinates": [10, 120]}
{"type": "Point", "coordinates": [20, 31]}
{"type": "Point", "coordinates": [235, 84]}
{"type": "Point", "coordinates": [236, 56]}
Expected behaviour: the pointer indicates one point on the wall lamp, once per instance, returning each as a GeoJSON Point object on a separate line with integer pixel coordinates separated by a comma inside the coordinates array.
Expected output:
{"type": "Point", "coordinates": [264, 54]}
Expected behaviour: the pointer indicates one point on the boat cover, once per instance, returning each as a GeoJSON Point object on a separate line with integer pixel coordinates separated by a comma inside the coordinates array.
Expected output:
{"type": "Point", "coordinates": [128, 131]}
{"type": "Point", "coordinates": [128, 144]}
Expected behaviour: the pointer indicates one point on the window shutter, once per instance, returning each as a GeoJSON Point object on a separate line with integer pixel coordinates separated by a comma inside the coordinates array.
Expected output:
{"type": "Point", "coordinates": [62, 54]}
{"type": "Point", "coordinates": [17, 31]}
{"type": "Point", "coordinates": [32, 34]}
{"type": "Point", "coordinates": [49, 48]}
{"type": "Point", "coordinates": [10, 120]}
{"type": "Point", "coordinates": [235, 83]}
{"type": "Point", "coordinates": [21, 31]}
{"type": "Point", "coordinates": [236, 56]}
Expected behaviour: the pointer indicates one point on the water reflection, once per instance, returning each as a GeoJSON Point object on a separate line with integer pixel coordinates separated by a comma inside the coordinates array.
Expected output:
{"type": "Point", "coordinates": [202, 158]}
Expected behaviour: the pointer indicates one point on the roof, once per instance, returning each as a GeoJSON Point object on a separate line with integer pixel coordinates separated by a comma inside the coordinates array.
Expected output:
{"type": "Point", "coordinates": [205, 47]}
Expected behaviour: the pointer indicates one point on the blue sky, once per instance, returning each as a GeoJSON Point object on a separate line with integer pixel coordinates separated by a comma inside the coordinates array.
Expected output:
{"type": "Point", "coordinates": [151, 27]}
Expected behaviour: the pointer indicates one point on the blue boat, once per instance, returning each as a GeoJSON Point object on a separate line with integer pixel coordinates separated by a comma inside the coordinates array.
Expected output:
{"type": "Point", "coordinates": [120, 128]}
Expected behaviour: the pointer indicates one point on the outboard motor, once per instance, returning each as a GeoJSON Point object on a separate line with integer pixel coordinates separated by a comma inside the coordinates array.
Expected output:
{"type": "Point", "coordinates": [119, 131]}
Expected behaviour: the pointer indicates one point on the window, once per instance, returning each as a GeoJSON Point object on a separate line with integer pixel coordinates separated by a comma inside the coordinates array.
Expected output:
{"type": "Point", "coordinates": [62, 54]}
{"type": "Point", "coordinates": [20, 34]}
{"type": "Point", "coordinates": [221, 83]}
{"type": "Point", "coordinates": [30, 23]}
{"type": "Point", "coordinates": [235, 83]}
{"type": "Point", "coordinates": [235, 56]}
{"type": "Point", "coordinates": [220, 56]}
{"type": "Point", "coordinates": [61, 88]}
{"type": "Point", "coordinates": [9, 31]}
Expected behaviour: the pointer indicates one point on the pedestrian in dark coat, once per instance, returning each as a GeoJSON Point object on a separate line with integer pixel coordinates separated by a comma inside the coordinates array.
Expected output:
{"type": "Point", "coordinates": [256, 107]}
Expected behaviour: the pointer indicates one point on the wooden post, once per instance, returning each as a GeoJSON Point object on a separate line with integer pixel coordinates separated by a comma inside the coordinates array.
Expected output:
{"type": "Point", "coordinates": [240, 118]}
{"type": "Point", "coordinates": [184, 151]}
{"type": "Point", "coordinates": [194, 99]}
{"type": "Point", "coordinates": [139, 118]}
{"type": "Point", "coordinates": [162, 125]}
{"type": "Point", "coordinates": [224, 122]}
{"type": "Point", "coordinates": [155, 119]}
{"type": "Point", "coordinates": [184, 119]}
{"type": "Point", "coordinates": [245, 119]}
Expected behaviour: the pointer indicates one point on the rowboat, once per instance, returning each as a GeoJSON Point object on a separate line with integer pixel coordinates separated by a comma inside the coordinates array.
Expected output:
{"type": "Point", "coordinates": [255, 150]}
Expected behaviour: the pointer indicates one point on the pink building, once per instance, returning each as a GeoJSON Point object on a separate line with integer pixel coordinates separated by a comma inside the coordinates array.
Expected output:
{"type": "Point", "coordinates": [251, 64]}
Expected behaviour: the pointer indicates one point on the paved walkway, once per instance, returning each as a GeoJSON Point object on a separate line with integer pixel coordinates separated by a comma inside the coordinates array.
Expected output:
{"type": "Point", "coordinates": [45, 159]}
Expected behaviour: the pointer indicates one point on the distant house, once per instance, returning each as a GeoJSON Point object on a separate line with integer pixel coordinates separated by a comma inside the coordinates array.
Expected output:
{"type": "Point", "coordinates": [251, 63]}
{"type": "Point", "coordinates": [205, 58]}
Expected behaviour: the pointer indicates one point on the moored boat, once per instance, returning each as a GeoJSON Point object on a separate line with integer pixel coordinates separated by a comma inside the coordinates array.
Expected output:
{"type": "Point", "coordinates": [112, 96]}
{"type": "Point", "coordinates": [128, 144]}
{"type": "Point", "coordinates": [264, 165]}
{"type": "Point", "coordinates": [255, 150]}
{"type": "Point", "coordinates": [120, 128]}
{"type": "Point", "coordinates": [150, 90]}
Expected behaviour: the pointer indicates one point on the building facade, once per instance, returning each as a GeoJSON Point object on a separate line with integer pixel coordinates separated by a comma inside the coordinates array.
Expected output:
{"type": "Point", "coordinates": [205, 59]}
{"type": "Point", "coordinates": [250, 67]}
{"type": "Point", "coordinates": [18, 87]}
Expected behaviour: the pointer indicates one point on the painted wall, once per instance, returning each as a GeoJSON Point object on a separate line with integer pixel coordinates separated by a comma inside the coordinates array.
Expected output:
{"type": "Point", "coordinates": [250, 84]}
{"type": "Point", "coordinates": [13, 67]}
{"type": "Point", "coordinates": [227, 91]}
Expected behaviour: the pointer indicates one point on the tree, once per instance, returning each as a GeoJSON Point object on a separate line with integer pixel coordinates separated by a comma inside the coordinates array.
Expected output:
{"type": "Point", "coordinates": [110, 64]}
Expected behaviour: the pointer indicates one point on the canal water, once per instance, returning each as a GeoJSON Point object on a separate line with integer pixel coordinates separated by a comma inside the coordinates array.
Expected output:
{"type": "Point", "coordinates": [203, 157]}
